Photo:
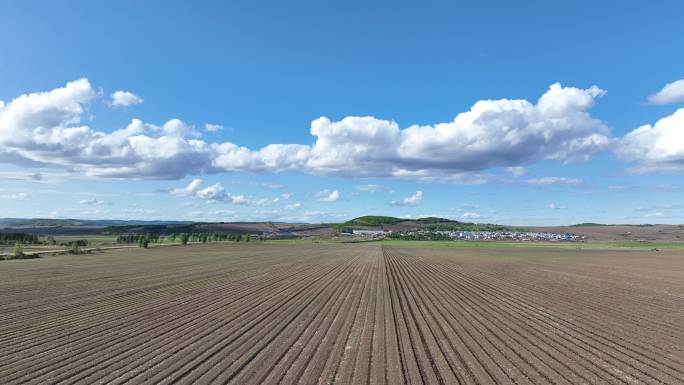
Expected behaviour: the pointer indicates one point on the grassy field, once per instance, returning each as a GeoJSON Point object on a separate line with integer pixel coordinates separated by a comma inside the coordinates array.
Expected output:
{"type": "Point", "coordinates": [92, 239]}
{"type": "Point", "coordinates": [95, 241]}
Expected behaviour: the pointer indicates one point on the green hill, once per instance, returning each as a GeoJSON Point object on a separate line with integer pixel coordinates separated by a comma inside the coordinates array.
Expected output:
{"type": "Point", "coordinates": [371, 220]}
{"type": "Point", "coordinates": [435, 220]}
{"type": "Point", "coordinates": [427, 223]}
{"type": "Point", "coordinates": [379, 220]}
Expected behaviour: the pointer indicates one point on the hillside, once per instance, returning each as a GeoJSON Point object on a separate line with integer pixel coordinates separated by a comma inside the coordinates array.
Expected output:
{"type": "Point", "coordinates": [401, 224]}
{"type": "Point", "coordinates": [378, 220]}
{"type": "Point", "coordinates": [371, 220]}
{"type": "Point", "coordinates": [590, 231]}
{"type": "Point", "coordinates": [50, 222]}
{"type": "Point", "coordinates": [612, 233]}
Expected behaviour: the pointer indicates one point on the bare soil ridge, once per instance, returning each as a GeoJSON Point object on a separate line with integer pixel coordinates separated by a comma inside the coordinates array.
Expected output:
{"type": "Point", "coordinates": [269, 313]}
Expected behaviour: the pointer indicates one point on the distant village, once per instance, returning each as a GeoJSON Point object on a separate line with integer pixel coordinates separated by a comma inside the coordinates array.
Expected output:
{"type": "Point", "coordinates": [466, 235]}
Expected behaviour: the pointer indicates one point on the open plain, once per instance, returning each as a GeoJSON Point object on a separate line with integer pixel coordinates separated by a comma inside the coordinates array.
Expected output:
{"type": "Point", "coordinates": [323, 313]}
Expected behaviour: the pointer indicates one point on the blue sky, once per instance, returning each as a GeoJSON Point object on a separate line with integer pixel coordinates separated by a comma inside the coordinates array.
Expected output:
{"type": "Point", "coordinates": [389, 78]}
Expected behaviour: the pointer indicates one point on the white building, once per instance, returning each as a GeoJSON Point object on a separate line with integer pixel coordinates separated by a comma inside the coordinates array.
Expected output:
{"type": "Point", "coordinates": [368, 233]}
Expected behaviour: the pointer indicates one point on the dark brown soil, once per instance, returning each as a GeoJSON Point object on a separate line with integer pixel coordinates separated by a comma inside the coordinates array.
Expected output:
{"type": "Point", "coordinates": [269, 313]}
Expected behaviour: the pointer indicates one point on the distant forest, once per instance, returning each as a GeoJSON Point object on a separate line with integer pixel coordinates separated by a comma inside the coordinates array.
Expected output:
{"type": "Point", "coordinates": [12, 238]}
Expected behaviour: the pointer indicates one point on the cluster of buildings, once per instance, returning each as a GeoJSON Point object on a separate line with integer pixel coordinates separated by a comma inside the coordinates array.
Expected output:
{"type": "Point", "coordinates": [512, 235]}
{"type": "Point", "coordinates": [369, 233]}
{"type": "Point", "coordinates": [475, 235]}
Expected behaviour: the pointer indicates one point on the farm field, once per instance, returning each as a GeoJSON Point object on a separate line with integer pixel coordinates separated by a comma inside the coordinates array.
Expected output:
{"type": "Point", "coordinates": [307, 313]}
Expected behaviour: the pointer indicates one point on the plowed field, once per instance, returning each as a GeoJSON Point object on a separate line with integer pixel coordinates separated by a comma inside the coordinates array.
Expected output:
{"type": "Point", "coordinates": [267, 313]}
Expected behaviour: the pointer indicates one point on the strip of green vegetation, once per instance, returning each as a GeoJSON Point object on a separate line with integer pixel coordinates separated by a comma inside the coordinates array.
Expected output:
{"type": "Point", "coordinates": [17, 253]}
{"type": "Point", "coordinates": [298, 241]}
{"type": "Point", "coordinates": [161, 229]}
{"type": "Point", "coordinates": [92, 239]}
{"type": "Point", "coordinates": [22, 256]}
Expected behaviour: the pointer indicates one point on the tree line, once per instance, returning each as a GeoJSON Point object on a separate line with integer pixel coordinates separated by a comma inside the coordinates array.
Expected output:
{"type": "Point", "coordinates": [23, 238]}
{"type": "Point", "coordinates": [144, 240]}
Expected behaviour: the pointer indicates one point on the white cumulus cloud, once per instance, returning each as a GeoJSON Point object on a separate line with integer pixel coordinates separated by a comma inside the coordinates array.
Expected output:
{"type": "Point", "coordinates": [214, 192]}
{"type": "Point", "coordinates": [328, 196]}
{"type": "Point", "coordinates": [213, 127]}
{"type": "Point", "coordinates": [412, 200]}
{"type": "Point", "coordinates": [492, 133]}
{"type": "Point", "coordinates": [190, 189]}
{"type": "Point", "coordinates": [124, 99]}
{"type": "Point", "coordinates": [217, 193]}
{"type": "Point", "coordinates": [671, 93]}
{"type": "Point", "coordinates": [45, 129]}
{"type": "Point", "coordinates": [656, 148]}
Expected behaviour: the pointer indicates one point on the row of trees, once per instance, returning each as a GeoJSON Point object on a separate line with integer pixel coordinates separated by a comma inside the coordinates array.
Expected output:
{"type": "Point", "coordinates": [18, 253]}
{"type": "Point", "coordinates": [23, 238]}
{"type": "Point", "coordinates": [74, 247]}
{"type": "Point", "coordinates": [33, 239]}
{"type": "Point", "coordinates": [136, 238]}
{"type": "Point", "coordinates": [144, 240]}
